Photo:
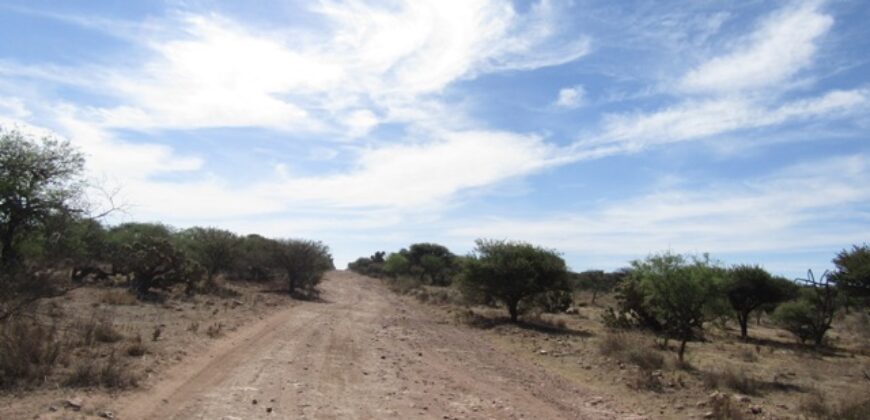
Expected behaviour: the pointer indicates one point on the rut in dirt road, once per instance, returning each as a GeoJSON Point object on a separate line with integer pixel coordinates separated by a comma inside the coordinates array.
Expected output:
{"type": "Point", "coordinates": [361, 352]}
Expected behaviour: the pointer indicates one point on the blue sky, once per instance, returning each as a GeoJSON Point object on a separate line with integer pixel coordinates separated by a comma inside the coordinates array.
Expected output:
{"type": "Point", "coordinates": [606, 130]}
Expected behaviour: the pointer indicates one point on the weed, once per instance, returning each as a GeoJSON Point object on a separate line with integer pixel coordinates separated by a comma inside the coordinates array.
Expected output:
{"type": "Point", "coordinates": [137, 347]}
{"type": "Point", "coordinates": [214, 330]}
{"type": "Point", "coordinates": [155, 335]}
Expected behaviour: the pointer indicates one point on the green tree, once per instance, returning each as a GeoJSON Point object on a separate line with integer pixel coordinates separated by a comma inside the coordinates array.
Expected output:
{"type": "Point", "coordinates": [852, 274]}
{"type": "Point", "coordinates": [809, 317]}
{"type": "Point", "coordinates": [37, 180]}
{"type": "Point", "coordinates": [512, 272]}
{"type": "Point", "coordinates": [597, 281]}
{"type": "Point", "coordinates": [304, 263]}
{"type": "Point", "coordinates": [217, 250]}
{"type": "Point", "coordinates": [677, 292]}
{"type": "Point", "coordinates": [256, 260]}
{"type": "Point", "coordinates": [431, 260]}
{"type": "Point", "coordinates": [396, 264]}
{"type": "Point", "coordinates": [748, 288]}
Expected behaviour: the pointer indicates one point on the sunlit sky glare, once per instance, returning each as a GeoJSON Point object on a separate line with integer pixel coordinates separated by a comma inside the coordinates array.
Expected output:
{"type": "Point", "coordinates": [607, 130]}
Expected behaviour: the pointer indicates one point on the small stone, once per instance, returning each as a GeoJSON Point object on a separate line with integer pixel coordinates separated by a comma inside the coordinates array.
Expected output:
{"type": "Point", "coordinates": [709, 415]}
{"type": "Point", "coordinates": [106, 414]}
{"type": "Point", "coordinates": [742, 398]}
{"type": "Point", "coordinates": [755, 409]}
{"type": "Point", "coordinates": [269, 409]}
{"type": "Point", "coordinates": [543, 352]}
{"type": "Point", "coordinates": [74, 403]}
{"type": "Point", "coordinates": [254, 402]}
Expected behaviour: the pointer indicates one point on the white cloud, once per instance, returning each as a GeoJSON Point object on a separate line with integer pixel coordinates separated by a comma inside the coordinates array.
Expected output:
{"type": "Point", "coordinates": [806, 206]}
{"type": "Point", "coordinates": [218, 73]}
{"type": "Point", "coordinates": [571, 97]}
{"type": "Point", "coordinates": [780, 47]}
{"type": "Point", "coordinates": [13, 108]}
{"type": "Point", "coordinates": [424, 175]}
{"type": "Point", "coordinates": [360, 122]}
{"type": "Point", "coordinates": [692, 120]}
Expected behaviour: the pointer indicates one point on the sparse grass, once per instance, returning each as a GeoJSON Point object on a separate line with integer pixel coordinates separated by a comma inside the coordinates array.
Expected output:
{"type": "Point", "coordinates": [118, 297]}
{"type": "Point", "coordinates": [735, 380]}
{"type": "Point", "coordinates": [193, 327]}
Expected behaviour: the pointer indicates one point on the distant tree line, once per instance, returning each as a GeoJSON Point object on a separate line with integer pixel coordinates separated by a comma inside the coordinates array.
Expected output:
{"type": "Point", "coordinates": [669, 294]}
{"type": "Point", "coordinates": [47, 233]}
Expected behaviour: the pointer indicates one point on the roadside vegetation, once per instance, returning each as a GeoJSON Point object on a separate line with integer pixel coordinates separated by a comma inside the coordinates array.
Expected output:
{"type": "Point", "coordinates": [55, 250]}
{"type": "Point", "coordinates": [692, 334]}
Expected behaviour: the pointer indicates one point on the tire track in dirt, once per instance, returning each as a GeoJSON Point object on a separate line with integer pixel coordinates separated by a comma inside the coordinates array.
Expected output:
{"type": "Point", "coordinates": [361, 352]}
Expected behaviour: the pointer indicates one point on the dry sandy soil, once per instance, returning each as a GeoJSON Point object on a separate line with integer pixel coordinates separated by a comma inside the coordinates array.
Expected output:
{"type": "Point", "coordinates": [360, 352]}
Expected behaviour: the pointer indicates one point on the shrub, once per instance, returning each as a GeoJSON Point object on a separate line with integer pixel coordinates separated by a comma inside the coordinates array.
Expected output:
{"type": "Point", "coordinates": [396, 264]}
{"type": "Point", "coordinates": [810, 316]}
{"type": "Point", "coordinates": [512, 272]}
{"type": "Point", "coordinates": [304, 263]}
{"type": "Point", "coordinates": [216, 250]}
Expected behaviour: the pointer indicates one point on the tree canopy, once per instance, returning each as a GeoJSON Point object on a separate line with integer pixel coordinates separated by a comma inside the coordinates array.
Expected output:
{"type": "Point", "coordinates": [512, 272]}
{"type": "Point", "coordinates": [38, 179]}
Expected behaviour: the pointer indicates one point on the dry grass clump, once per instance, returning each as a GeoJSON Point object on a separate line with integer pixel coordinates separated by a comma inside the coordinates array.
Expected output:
{"type": "Point", "coordinates": [723, 408]}
{"type": "Point", "coordinates": [136, 348]}
{"type": "Point", "coordinates": [817, 406]}
{"type": "Point", "coordinates": [737, 381]}
{"type": "Point", "coordinates": [98, 330]}
{"type": "Point", "coordinates": [118, 297]}
{"type": "Point", "coordinates": [631, 349]}
{"type": "Point", "coordinates": [110, 374]}
{"type": "Point", "coordinates": [28, 352]}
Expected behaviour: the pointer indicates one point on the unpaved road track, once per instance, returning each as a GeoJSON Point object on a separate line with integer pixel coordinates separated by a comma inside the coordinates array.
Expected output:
{"type": "Point", "coordinates": [360, 353]}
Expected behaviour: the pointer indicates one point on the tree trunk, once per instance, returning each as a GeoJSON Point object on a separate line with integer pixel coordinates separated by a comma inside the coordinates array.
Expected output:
{"type": "Point", "coordinates": [291, 283]}
{"type": "Point", "coordinates": [682, 348]}
{"type": "Point", "coordinates": [513, 309]}
{"type": "Point", "coordinates": [743, 319]}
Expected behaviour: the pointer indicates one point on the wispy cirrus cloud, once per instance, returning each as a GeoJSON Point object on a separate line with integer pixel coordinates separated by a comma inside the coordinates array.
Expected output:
{"type": "Point", "coordinates": [780, 47]}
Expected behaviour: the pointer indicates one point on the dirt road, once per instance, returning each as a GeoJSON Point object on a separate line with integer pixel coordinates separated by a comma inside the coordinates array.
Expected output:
{"type": "Point", "coordinates": [360, 353]}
